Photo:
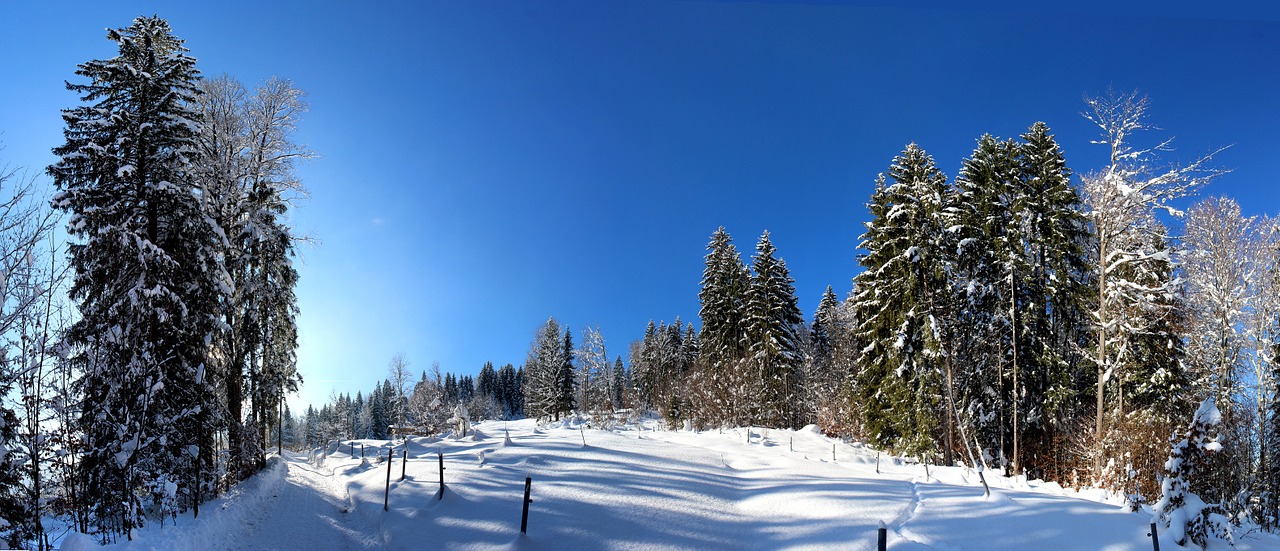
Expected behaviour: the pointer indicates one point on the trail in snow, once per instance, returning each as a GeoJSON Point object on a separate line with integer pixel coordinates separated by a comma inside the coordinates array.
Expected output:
{"type": "Point", "coordinates": [312, 510]}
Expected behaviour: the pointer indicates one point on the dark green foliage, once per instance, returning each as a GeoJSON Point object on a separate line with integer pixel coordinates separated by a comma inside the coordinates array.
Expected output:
{"type": "Point", "coordinates": [899, 384]}
{"type": "Point", "coordinates": [771, 340]}
{"type": "Point", "coordinates": [147, 279]}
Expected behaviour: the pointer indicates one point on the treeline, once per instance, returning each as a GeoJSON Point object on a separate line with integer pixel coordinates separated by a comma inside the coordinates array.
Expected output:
{"type": "Point", "coordinates": [429, 406]}
{"type": "Point", "coordinates": [1013, 317]}
{"type": "Point", "coordinates": [147, 374]}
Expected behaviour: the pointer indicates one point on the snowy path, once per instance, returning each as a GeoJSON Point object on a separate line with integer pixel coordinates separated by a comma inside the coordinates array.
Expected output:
{"type": "Point", "coordinates": [626, 489]}
{"type": "Point", "coordinates": [311, 510]}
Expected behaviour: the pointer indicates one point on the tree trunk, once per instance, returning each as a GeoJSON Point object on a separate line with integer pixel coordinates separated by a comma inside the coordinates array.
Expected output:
{"type": "Point", "coordinates": [1101, 354]}
{"type": "Point", "coordinates": [1013, 324]}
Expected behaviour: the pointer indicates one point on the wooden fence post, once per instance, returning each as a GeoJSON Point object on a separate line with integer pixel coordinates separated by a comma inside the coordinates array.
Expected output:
{"type": "Point", "coordinates": [197, 487]}
{"type": "Point", "coordinates": [1155, 539]}
{"type": "Point", "coordinates": [386, 497]}
{"type": "Point", "coordinates": [440, 496]}
{"type": "Point", "coordinates": [524, 516]}
{"type": "Point", "coordinates": [882, 538]}
{"type": "Point", "coordinates": [404, 461]}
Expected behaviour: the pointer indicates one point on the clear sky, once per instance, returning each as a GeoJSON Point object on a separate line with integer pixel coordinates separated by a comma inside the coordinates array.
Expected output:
{"type": "Point", "coordinates": [485, 165]}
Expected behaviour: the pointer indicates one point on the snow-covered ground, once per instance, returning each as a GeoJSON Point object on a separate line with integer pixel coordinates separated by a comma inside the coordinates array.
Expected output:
{"type": "Point", "coordinates": [642, 489]}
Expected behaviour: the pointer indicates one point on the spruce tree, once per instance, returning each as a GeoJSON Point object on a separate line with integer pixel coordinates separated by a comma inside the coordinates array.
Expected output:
{"type": "Point", "coordinates": [722, 376]}
{"type": "Point", "coordinates": [1058, 297]}
{"type": "Point", "coordinates": [147, 280]}
{"type": "Point", "coordinates": [772, 319]}
{"type": "Point", "coordinates": [619, 383]}
{"type": "Point", "coordinates": [15, 507]}
{"type": "Point", "coordinates": [898, 303]}
{"type": "Point", "coordinates": [487, 382]}
{"type": "Point", "coordinates": [541, 373]}
{"type": "Point", "coordinates": [566, 384]}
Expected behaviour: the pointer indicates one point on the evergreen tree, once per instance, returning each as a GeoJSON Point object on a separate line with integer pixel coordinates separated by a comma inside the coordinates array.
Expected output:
{"type": "Point", "coordinates": [542, 382]}
{"type": "Point", "coordinates": [818, 383]}
{"type": "Point", "coordinates": [290, 428]}
{"type": "Point", "coordinates": [15, 509]}
{"type": "Point", "coordinates": [378, 414]}
{"type": "Point", "coordinates": [772, 319]}
{"type": "Point", "coordinates": [1184, 515]}
{"type": "Point", "coordinates": [619, 383]}
{"type": "Point", "coordinates": [147, 277]}
{"type": "Point", "coordinates": [1058, 295]}
{"type": "Point", "coordinates": [644, 365]}
{"type": "Point", "coordinates": [487, 383]}
{"type": "Point", "coordinates": [895, 302]}
{"type": "Point", "coordinates": [566, 385]}
{"type": "Point", "coordinates": [721, 375]}
{"type": "Point", "coordinates": [507, 391]}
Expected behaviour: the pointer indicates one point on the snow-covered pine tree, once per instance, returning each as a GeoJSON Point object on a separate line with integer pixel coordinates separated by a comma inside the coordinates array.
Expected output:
{"type": "Point", "coordinates": [16, 524]}
{"type": "Point", "coordinates": [619, 383]}
{"type": "Point", "coordinates": [1184, 515]}
{"type": "Point", "coordinates": [772, 319]}
{"type": "Point", "coordinates": [378, 418]}
{"type": "Point", "coordinates": [984, 218]}
{"type": "Point", "coordinates": [507, 391]}
{"type": "Point", "coordinates": [1152, 389]}
{"type": "Point", "coordinates": [899, 384]}
{"type": "Point", "coordinates": [721, 372]}
{"type": "Point", "coordinates": [290, 428]}
{"type": "Point", "coordinates": [487, 381]}
{"type": "Point", "coordinates": [147, 277]}
{"type": "Point", "coordinates": [541, 371]}
{"type": "Point", "coordinates": [1057, 325]}
{"type": "Point", "coordinates": [644, 365]}
{"type": "Point", "coordinates": [566, 385]}
{"type": "Point", "coordinates": [816, 382]}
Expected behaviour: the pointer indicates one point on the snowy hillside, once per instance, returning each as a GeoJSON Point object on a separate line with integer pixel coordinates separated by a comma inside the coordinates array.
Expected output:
{"type": "Point", "coordinates": [641, 489]}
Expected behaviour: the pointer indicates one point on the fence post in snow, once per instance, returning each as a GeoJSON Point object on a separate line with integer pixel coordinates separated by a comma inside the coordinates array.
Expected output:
{"type": "Point", "coordinates": [441, 494]}
{"type": "Point", "coordinates": [793, 443]}
{"type": "Point", "coordinates": [404, 460]}
{"type": "Point", "coordinates": [524, 515]}
{"type": "Point", "coordinates": [877, 462]}
{"type": "Point", "coordinates": [197, 502]}
{"type": "Point", "coordinates": [386, 496]}
{"type": "Point", "coordinates": [882, 537]}
{"type": "Point", "coordinates": [1155, 539]}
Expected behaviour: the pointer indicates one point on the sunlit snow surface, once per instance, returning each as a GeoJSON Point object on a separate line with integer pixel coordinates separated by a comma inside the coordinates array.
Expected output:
{"type": "Point", "coordinates": [643, 489]}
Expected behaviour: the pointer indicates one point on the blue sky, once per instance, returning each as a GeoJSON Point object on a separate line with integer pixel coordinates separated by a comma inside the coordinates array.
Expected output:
{"type": "Point", "coordinates": [485, 165]}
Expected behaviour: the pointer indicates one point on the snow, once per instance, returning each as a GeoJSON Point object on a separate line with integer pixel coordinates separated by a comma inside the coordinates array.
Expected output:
{"type": "Point", "coordinates": [642, 489]}
{"type": "Point", "coordinates": [1208, 413]}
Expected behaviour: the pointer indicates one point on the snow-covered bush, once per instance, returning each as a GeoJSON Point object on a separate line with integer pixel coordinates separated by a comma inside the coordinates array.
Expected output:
{"type": "Point", "coordinates": [461, 421]}
{"type": "Point", "coordinates": [1185, 517]}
